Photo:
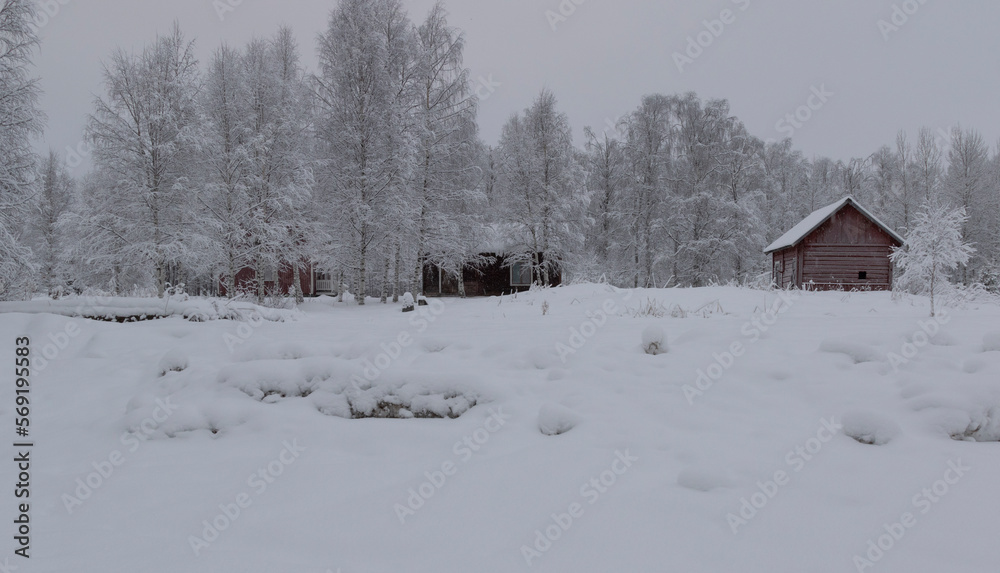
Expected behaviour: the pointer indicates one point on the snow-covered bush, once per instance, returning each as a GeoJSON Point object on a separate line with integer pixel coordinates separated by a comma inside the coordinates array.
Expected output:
{"type": "Point", "coordinates": [654, 340]}
{"type": "Point", "coordinates": [869, 428]}
{"type": "Point", "coordinates": [173, 361]}
{"type": "Point", "coordinates": [408, 304]}
{"type": "Point", "coordinates": [554, 419]}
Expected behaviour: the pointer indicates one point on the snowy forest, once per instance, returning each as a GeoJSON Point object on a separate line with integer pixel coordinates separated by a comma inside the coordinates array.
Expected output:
{"type": "Point", "coordinates": [372, 165]}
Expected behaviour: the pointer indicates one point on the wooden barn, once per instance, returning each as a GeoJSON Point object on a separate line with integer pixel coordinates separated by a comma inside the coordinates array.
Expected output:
{"type": "Point", "coordinates": [839, 247]}
{"type": "Point", "coordinates": [494, 276]}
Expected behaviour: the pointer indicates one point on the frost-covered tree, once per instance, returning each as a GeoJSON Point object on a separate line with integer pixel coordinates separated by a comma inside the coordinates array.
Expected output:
{"type": "Point", "coordinates": [144, 133]}
{"type": "Point", "coordinates": [99, 257]}
{"type": "Point", "coordinates": [934, 248]}
{"type": "Point", "coordinates": [20, 121]}
{"type": "Point", "coordinates": [445, 174]}
{"type": "Point", "coordinates": [966, 186]}
{"type": "Point", "coordinates": [47, 232]}
{"type": "Point", "coordinates": [255, 204]}
{"type": "Point", "coordinates": [224, 200]}
{"type": "Point", "coordinates": [542, 185]}
{"type": "Point", "coordinates": [364, 93]}
{"type": "Point", "coordinates": [607, 177]}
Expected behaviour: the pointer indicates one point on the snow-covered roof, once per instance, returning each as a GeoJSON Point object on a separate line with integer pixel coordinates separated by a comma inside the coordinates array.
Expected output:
{"type": "Point", "coordinates": [813, 221]}
{"type": "Point", "coordinates": [501, 239]}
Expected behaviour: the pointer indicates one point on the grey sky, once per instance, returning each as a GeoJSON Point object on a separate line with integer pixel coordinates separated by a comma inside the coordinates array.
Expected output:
{"type": "Point", "coordinates": [937, 70]}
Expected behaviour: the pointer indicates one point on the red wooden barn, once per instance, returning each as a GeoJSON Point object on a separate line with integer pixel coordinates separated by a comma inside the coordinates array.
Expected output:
{"type": "Point", "coordinates": [839, 247]}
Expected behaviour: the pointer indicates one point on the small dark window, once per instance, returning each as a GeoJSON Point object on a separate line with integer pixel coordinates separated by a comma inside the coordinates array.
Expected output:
{"type": "Point", "coordinates": [862, 276]}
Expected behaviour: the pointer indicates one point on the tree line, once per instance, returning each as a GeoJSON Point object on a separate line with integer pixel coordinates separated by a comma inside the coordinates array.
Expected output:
{"type": "Point", "coordinates": [371, 167]}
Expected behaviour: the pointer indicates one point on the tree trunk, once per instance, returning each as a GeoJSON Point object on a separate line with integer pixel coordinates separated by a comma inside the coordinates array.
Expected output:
{"type": "Point", "coordinates": [297, 282]}
{"type": "Point", "coordinates": [362, 270]}
{"type": "Point", "coordinates": [384, 298]}
{"type": "Point", "coordinates": [396, 266]}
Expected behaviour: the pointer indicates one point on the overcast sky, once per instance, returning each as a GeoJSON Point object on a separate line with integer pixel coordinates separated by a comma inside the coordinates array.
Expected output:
{"type": "Point", "coordinates": [937, 69]}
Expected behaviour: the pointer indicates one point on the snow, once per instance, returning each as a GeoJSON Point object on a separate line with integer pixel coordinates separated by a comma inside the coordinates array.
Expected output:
{"type": "Point", "coordinates": [991, 342]}
{"type": "Point", "coordinates": [654, 340]}
{"type": "Point", "coordinates": [870, 428]}
{"type": "Point", "coordinates": [817, 218]}
{"type": "Point", "coordinates": [358, 412]}
{"type": "Point", "coordinates": [554, 419]}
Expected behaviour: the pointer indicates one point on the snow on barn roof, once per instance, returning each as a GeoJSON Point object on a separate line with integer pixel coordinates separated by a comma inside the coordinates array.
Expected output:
{"type": "Point", "coordinates": [820, 216]}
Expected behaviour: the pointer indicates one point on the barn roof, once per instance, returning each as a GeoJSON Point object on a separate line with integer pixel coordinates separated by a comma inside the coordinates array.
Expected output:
{"type": "Point", "coordinates": [812, 222]}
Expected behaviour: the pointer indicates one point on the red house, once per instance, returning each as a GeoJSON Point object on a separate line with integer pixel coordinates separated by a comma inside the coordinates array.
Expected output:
{"type": "Point", "coordinates": [839, 247]}
{"type": "Point", "coordinates": [311, 282]}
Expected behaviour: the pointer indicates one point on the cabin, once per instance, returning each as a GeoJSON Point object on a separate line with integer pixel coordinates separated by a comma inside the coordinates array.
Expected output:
{"type": "Point", "coordinates": [493, 274]}
{"type": "Point", "coordinates": [839, 247]}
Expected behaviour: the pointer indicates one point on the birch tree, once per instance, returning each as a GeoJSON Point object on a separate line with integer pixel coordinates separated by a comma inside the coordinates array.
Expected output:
{"type": "Point", "coordinates": [933, 249]}
{"type": "Point", "coordinates": [20, 121]}
{"type": "Point", "coordinates": [143, 132]}
{"type": "Point", "coordinates": [359, 87]}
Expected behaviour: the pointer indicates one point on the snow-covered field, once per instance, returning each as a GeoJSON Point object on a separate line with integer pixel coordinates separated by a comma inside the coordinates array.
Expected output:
{"type": "Point", "coordinates": [525, 434]}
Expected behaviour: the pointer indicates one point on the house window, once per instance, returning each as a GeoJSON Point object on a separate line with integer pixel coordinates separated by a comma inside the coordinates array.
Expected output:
{"type": "Point", "coordinates": [270, 276]}
{"type": "Point", "coordinates": [520, 274]}
{"type": "Point", "coordinates": [863, 276]}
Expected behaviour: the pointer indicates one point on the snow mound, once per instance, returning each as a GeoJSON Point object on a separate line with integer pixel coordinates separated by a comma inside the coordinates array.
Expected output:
{"type": "Point", "coordinates": [554, 419]}
{"type": "Point", "coordinates": [991, 342]}
{"type": "Point", "coordinates": [859, 353]}
{"type": "Point", "coordinates": [702, 479]}
{"type": "Point", "coordinates": [980, 426]}
{"type": "Point", "coordinates": [870, 428]}
{"type": "Point", "coordinates": [173, 361]}
{"type": "Point", "coordinates": [654, 340]}
{"type": "Point", "coordinates": [337, 388]}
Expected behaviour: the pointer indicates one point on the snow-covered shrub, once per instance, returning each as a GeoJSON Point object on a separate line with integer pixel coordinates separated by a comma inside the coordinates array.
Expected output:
{"type": "Point", "coordinates": [554, 419]}
{"type": "Point", "coordinates": [408, 303]}
{"type": "Point", "coordinates": [173, 361]}
{"type": "Point", "coordinates": [654, 340]}
{"type": "Point", "coordinates": [983, 426]}
{"type": "Point", "coordinates": [869, 428]}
